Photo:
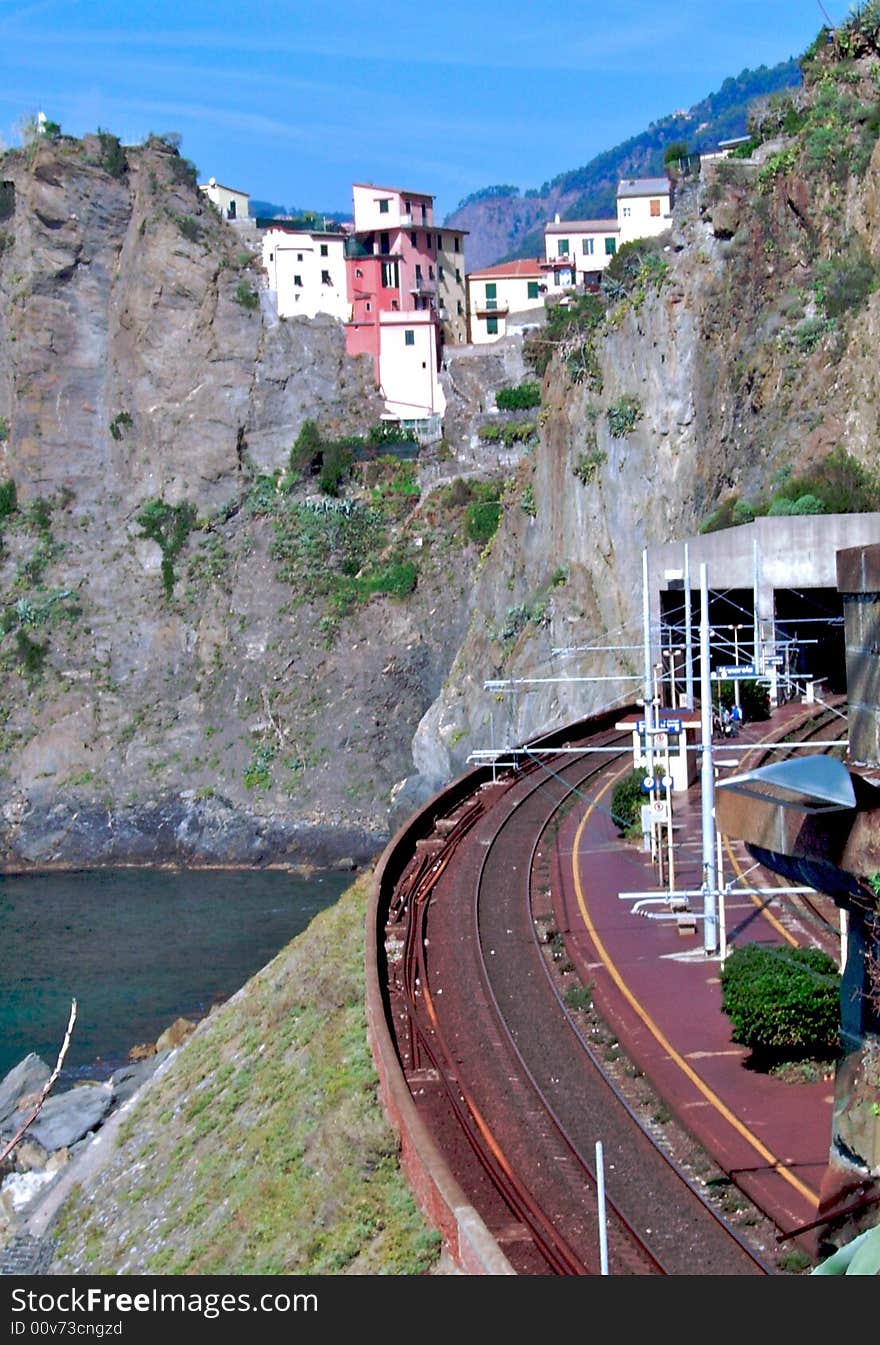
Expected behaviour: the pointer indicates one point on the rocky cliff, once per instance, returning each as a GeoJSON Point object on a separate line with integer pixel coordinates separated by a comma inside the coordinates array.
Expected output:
{"type": "Point", "coordinates": [167, 693]}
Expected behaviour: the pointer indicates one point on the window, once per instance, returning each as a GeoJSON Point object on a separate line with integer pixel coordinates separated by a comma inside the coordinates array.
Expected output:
{"type": "Point", "coordinates": [424, 214]}
{"type": "Point", "coordinates": [562, 247]}
{"type": "Point", "coordinates": [230, 213]}
{"type": "Point", "coordinates": [492, 326]}
{"type": "Point", "coordinates": [414, 239]}
{"type": "Point", "coordinates": [491, 289]}
{"type": "Point", "coordinates": [368, 307]}
{"type": "Point", "coordinates": [408, 207]}
{"type": "Point", "coordinates": [533, 289]}
{"type": "Point", "coordinates": [588, 247]}
{"type": "Point", "coordinates": [299, 256]}
{"type": "Point", "coordinates": [390, 276]}
{"type": "Point", "coordinates": [655, 209]}
{"type": "Point", "coordinates": [459, 307]}
{"type": "Point", "coordinates": [383, 206]}
{"type": "Point", "coordinates": [440, 274]}
{"type": "Point", "coordinates": [458, 245]}
{"type": "Point", "coordinates": [394, 305]}
{"type": "Point", "coordinates": [430, 273]}
{"type": "Point", "coordinates": [384, 244]}
{"type": "Point", "coordinates": [325, 278]}
{"type": "Point", "coordinates": [626, 212]}
{"type": "Point", "coordinates": [409, 337]}
{"type": "Point", "coordinates": [359, 275]}
{"type": "Point", "coordinates": [418, 274]}
{"type": "Point", "coordinates": [298, 280]}
{"type": "Point", "coordinates": [323, 249]}
{"type": "Point", "coordinates": [610, 247]}
{"type": "Point", "coordinates": [458, 275]}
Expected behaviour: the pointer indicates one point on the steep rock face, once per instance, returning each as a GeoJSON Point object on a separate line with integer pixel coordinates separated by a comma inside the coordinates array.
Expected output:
{"type": "Point", "coordinates": [735, 375]}
{"type": "Point", "coordinates": [225, 720]}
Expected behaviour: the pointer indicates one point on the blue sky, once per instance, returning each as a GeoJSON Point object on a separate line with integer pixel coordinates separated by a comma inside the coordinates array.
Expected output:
{"type": "Point", "coordinates": [294, 101]}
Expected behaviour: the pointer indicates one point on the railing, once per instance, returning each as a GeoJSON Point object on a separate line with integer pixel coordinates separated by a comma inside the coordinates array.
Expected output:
{"type": "Point", "coordinates": [422, 286]}
{"type": "Point", "coordinates": [492, 307]}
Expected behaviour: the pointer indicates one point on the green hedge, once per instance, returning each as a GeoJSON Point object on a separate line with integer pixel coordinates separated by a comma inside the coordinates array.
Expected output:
{"type": "Point", "coordinates": [782, 1001]}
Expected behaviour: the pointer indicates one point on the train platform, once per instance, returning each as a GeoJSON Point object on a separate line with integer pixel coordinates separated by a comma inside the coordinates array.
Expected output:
{"type": "Point", "coordinates": [656, 986]}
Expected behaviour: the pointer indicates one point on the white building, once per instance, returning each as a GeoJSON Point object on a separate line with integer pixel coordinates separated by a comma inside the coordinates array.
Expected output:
{"type": "Point", "coordinates": [644, 207]}
{"type": "Point", "coordinates": [232, 204]}
{"type": "Point", "coordinates": [306, 271]}
{"type": "Point", "coordinates": [576, 252]}
{"type": "Point", "coordinates": [409, 375]}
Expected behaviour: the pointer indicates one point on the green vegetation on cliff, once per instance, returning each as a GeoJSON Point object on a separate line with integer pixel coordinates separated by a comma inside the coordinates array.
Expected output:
{"type": "Point", "coordinates": [262, 1149]}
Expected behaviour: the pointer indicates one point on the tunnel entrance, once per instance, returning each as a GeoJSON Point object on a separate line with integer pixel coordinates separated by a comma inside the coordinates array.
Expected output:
{"type": "Point", "coordinates": [810, 635]}
{"type": "Point", "coordinates": [803, 641]}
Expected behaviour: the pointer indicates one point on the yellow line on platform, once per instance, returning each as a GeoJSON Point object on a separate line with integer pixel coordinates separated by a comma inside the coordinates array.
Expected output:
{"type": "Point", "coordinates": [703, 1088]}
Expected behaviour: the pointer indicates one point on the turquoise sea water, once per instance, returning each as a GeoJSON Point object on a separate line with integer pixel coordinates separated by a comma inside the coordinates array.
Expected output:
{"type": "Point", "coordinates": [136, 948]}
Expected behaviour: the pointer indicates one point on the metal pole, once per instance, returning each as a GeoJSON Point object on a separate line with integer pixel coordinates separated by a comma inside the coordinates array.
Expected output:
{"type": "Point", "coordinates": [736, 663]}
{"type": "Point", "coordinates": [722, 914]}
{"type": "Point", "coordinates": [758, 660]}
{"type": "Point", "coordinates": [688, 636]}
{"type": "Point", "coordinates": [707, 780]}
{"type": "Point", "coordinates": [648, 689]}
{"type": "Point", "coordinates": [603, 1233]}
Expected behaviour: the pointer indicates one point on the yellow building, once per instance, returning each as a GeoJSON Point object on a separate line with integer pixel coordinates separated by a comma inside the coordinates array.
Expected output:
{"type": "Point", "coordinates": [498, 293]}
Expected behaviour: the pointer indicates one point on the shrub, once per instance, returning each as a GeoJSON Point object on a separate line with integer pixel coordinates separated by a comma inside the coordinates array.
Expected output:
{"type": "Point", "coordinates": [844, 282]}
{"type": "Point", "coordinates": [336, 463]}
{"type": "Point", "coordinates": [490, 434]}
{"type": "Point", "coordinates": [118, 422]}
{"type": "Point", "coordinates": [169, 525]}
{"type": "Point", "coordinates": [520, 398]}
{"type": "Point", "coordinates": [246, 295]}
{"type": "Point", "coordinates": [113, 159]}
{"type": "Point", "coordinates": [481, 520]}
{"type": "Point", "coordinates": [587, 465]}
{"type": "Point", "coordinates": [623, 416]}
{"type": "Point", "coordinates": [305, 456]}
{"type": "Point", "coordinates": [782, 1001]}
{"type": "Point", "coordinates": [627, 800]}
{"type": "Point", "coordinates": [8, 498]}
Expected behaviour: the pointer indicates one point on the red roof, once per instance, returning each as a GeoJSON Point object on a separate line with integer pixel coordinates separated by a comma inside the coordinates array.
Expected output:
{"type": "Point", "coordinates": [526, 267]}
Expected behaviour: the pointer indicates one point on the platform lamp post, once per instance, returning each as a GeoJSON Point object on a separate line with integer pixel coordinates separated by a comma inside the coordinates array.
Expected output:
{"type": "Point", "coordinates": [707, 779]}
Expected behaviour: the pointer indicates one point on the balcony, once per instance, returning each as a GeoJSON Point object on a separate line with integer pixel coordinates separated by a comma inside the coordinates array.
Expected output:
{"type": "Point", "coordinates": [563, 262]}
{"type": "Point", "coordinates": [422, 286]}
{"type": "Point", "coordinates": [490, 308]}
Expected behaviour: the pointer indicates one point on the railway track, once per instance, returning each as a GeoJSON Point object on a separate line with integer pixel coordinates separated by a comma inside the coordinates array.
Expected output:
{"type": "Point", "coordinates": [488, 1045]}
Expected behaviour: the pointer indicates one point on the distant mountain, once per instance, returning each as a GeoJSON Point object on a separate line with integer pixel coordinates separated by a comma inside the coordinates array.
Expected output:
{"type": "Point", "coordinates": [503, 223]}
{"type": "Point", "coordinates": [309, 218]}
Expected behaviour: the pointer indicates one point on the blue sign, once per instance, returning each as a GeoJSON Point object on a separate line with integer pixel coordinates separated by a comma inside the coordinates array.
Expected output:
{"type": "Point", "coordinates": [648, 783]}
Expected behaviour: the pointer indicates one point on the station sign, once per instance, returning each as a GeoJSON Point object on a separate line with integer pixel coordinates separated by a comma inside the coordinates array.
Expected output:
{"type": "Point", "coordinates": [736, 670]}
{"type": "Point", "coordinates": [663, 726]}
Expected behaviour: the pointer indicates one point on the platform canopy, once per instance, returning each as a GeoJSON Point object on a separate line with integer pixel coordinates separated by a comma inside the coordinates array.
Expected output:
{"type": "Point", "coordinates": [815, 781]}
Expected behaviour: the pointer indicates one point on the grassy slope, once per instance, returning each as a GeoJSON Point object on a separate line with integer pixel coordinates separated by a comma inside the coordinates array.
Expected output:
{"type": "Point", "coordinates": [262, 1149]}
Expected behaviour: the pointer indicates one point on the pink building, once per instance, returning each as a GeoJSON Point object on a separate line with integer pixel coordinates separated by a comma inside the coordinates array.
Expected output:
{"type": "Point", "coordinates": [391, 271]}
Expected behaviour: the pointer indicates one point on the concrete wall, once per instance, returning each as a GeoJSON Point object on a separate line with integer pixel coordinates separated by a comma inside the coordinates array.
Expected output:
{"type": "Point", "coordinates": [793, 552]}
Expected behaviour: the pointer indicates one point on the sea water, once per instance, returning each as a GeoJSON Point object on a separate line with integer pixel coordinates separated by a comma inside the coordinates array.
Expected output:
{"type": "Point", "coordinates": [136, 949]}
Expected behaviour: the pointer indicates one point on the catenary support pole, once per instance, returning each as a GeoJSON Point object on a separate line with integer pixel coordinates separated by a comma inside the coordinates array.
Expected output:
{"type": "Point", "coordinates": [688, 633]}
{"type": "Point", "coordinates": [707, 779]}
{"type": "Point", "coordinates": [600, 1188]}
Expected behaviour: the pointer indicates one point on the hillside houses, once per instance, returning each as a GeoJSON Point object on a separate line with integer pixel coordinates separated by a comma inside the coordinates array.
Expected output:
{"type": "Point", "coordinates": [576, 252]}
{"type": "Point", "coordinates": [396, 279]}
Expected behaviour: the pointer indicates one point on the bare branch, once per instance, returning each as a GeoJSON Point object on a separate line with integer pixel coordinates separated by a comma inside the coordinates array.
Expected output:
{"type": "Point", "coordinates": [47, 1086]}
